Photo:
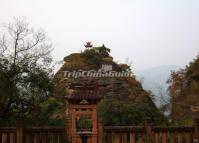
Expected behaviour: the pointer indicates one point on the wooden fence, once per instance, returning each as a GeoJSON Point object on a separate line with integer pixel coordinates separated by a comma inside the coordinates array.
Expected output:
{"type": "Point", "coordinates": [32, 135]}
{"type": "Point", "coordinates": [112, 134]}
{"type": "Point", "coordinates": [149, 134]}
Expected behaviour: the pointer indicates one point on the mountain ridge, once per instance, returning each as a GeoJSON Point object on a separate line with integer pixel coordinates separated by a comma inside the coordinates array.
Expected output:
{"type": "Point", "coordinates": [155, 78]}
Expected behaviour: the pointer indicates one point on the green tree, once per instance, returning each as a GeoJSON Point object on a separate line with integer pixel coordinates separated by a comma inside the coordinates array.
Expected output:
{"type": "Point", "coordinates": [184, 91]}
{"type": "Point", "coordinates": [93, 56]}
{"type": "Point", "coordinates": [26, 70]}
{"type": "Point", "coordinates": [114, 112]}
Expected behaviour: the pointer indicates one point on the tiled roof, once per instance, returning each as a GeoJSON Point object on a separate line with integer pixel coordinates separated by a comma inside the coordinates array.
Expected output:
{"type": "Point", "coordinates": [88, 95]}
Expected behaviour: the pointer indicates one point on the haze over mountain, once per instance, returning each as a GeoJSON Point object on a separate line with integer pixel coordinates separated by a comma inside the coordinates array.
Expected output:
{"type": "Point", "coordinates": [159, 28]}
{"type": "Point", "coordinates": [154, 79]}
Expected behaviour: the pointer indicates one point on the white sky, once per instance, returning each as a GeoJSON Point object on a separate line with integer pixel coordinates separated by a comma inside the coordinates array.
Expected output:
{"type": "Point", "coordinates": [148, 32]}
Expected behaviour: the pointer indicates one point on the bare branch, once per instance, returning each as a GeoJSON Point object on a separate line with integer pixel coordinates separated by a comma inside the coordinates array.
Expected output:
{"type": "Point", "coordinates": [25, 51]}
{"type": "Point", "coordinates": [18, 29]}
{"type": "Point", "coordinates": [37, 38]}
{"type": "Point", "coordinates": [3, 45]}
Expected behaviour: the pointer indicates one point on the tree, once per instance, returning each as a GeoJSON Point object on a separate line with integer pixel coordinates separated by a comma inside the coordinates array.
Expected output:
{"type": "Point", "coordinates": [124, 113]}
{"type": "Point", "coordinates": [25, 69]}
{"type": "Point", "coordinates": [184, 91]}
{"type": "Point", "coordinates": [93, 56]}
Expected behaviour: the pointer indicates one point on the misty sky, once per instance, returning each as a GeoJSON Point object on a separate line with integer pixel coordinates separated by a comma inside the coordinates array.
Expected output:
{"type": "Point", "coordinates": [148, 32]}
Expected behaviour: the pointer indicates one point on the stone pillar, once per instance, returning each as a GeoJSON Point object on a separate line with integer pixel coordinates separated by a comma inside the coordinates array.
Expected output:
{"type": "Point", "coordinates": [68, 129]}
{"type": "Point", "coordinates": [94, 130]}
{"type": "Point", "coordinates": [94, 116]}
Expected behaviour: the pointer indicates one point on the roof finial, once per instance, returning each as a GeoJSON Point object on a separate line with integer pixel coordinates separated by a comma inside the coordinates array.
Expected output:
{"type": "Point", "coordinates": [88, 45]}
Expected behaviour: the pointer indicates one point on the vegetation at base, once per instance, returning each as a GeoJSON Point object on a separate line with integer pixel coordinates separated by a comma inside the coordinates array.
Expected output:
{"type": "Point", "coordinates": [114, 112]}
{"type": "Point", "coordinates": [184, 93]}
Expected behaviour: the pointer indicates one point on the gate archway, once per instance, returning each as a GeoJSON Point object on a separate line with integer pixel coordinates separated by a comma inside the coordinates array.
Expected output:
{"type": "Point", "coordinates": [82, 113]}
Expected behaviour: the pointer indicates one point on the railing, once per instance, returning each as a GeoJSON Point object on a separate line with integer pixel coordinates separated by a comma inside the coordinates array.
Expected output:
{"type": "Point", "coordinates": [112, 134]}
{"type": "Point", "coordinates": [7, 134]}
{"type": "Point", "coordinates": [148, 134]}
{"type": "Point", "coordinates": [32, 135]}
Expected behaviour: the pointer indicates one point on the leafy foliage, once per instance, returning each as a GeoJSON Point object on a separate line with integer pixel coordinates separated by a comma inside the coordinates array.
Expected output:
{"type": "Point", "coordinates": [26, 77]}
{"type": "Point", "coordinates": [93, 56]}
{"type": "Point", "coordinates": [184, 91]}
{"type": "Point", "coordinates": [49, 114]}
{"type": "Point", "coordinates": [114, 112]}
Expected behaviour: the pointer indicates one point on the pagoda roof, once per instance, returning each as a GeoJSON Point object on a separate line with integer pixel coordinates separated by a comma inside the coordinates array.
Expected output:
{"type": "Point", "coordinates": [85, 90]}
